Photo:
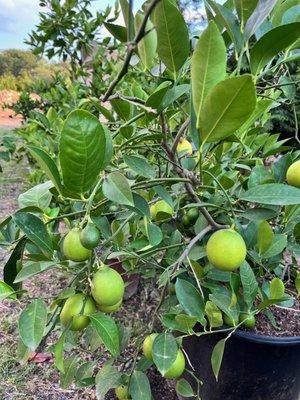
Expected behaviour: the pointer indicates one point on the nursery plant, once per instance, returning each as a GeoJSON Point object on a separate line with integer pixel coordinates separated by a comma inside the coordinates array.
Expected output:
{"type": "Point", "coordinates": [182, 184]}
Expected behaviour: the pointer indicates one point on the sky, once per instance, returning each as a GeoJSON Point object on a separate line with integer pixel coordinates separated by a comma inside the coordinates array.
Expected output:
{"type": "Point", "coordinates": [18, 18]}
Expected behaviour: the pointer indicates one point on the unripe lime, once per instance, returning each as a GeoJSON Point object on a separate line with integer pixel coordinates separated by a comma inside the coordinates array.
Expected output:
{"type": "Point", "coordinates": [248, 320]}
{"type": "Point", "coordinates": [72, 311]}
{"type": "Point", "coordinates": [110, 309]}
{"type": "Point", "coordinates": [90, 236]}
{"type": "Point", "coordinates": [226, 250]}
{"type": "Point", "coordinates": [184, 146]}
{"type": "Point", "coordinates": [293, 174]}
{"type": "Point", "coordinates": [185, 220]}
{"type": "Point", "coordinates": [122, 392]}
{"type": "Point", "coordinates": [192, 214]}
{"type": "Point", "coordinates": [107, 286]}
{"type": "Point", "coordinates": [161, 211]}
{"type": "Point", "coordinates": [229, 321]}
{"type": "Point", "coordinates": [177, 367]}
{"type": "Point", "coordinates": [147, 346]}
{"type": "Point", "coordinates": [72, 247]}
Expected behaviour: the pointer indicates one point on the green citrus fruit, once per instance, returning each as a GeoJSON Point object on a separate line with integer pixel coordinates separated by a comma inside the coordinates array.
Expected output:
{"type": "Point", "coordinates": [147, 346]}
{"type": "Point", "coordinates": [248, 320]}
{"type": "Point", "coordinates": [90, 236]}
{"type": "Point", "coordinates": [184, 146]}
{"type": "Point", "coordinates": [113, 208]}
{"type": "Point", "coordinates": [229, 321]}
{"type": "Point", "coordinates": [161, 211]}
{"type": "Point", "coordinates": [185, 220]}
{"type": "Point", "coordinates": [192, 214]}
{"type": "Point", "coordinates": [226, 250]}
{"type": "Point", "coordinates": [122, 392]}
{"type": "Point", "coordinates": [72, 309]}
{"type": "Point", "coordinates": [177, 367]}
{"type": "Point", "coordinates": [293, 174]}
{"type": "Point", "coordinates": [110, 309]}
{"type": "Point", "coordinates": [107, 286]}
{"type": "Point", "coordinates": [72, 247]}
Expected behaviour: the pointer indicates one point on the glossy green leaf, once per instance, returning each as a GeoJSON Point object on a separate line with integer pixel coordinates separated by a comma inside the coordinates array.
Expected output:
{"type": "Point", "coordinates": [118, 31]}
{"type": "Point", "coordinates": [277, 246]}
{"type": "Point", "coordinates": [183, 388]}
{"type": "Point", "coordinates": [273, 194]}
{"type": "Point", "coordinates": [173, 44]}
{"type": "Point", "coordinates": [140, 165]}
{"type": "Point", "coordinates": [35, 230]}
{"type": "Point", "coordinates": [59, 351]}
{"type": "Point", "coordinates": [249, 283]}
{"type": "Point", "coordinates": [280, 9]}
{"type": "Point", "coordinates": [140, 386]}
{"type": "Point", "coordinates": [140, 205]}
{"type": "Point", "coordinates": [164, 352]}
{"type": "Point", "coordinates": [260, 13]}
{"type": "Point", "coordinates": [259, 213]}
{"type": "Point", "coordinates": [190, 298]}
{"type": "Point", "coordinates": [186, 322]}
{"type": "Point", "coordinates": [48, 165]}
{"type": "Point", "coordinates": [244, 9]}
{"type": "Point", "coordinates": [10, 269]}
{"type": "Point", "coordinates": [222, 113]}
{"type": "Point", "coordinates": [32, 268]}
{"type": "Point", "coordinates": [108, 332]}
{"type": "Point", "coordinates": [107, 378]}
{"type": "Point", "coordinates": [156, 98]}
{"type": "Point", "coordinates": [272, 43]}
{"type": "Point", "coordinates": [208, 65]}
{"type": "Point", "coordinates": [265, 236]}
{"type": "Point", "coordinates": [214, 315]}
{"type": "Point", "coordinates": [217, 357]}
{"type": "Point", "coordinates": [277, 289]}
{"type": "Point", "coordinates": [116, 188]}
{"type": "Point", "coordinates": [32, 323]}
{"type": "Point", "coordinates": [81, 151]}
{"type": "Point", "coordinates": [147, 46]}
{"type": "Point", "coordinates": [6, 291]}
{"type": "Point", "coordinates": [155, 234]}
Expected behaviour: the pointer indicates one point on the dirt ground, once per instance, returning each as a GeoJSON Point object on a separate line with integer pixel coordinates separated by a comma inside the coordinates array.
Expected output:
{"type": "Point", "coordinates": [39, 379]}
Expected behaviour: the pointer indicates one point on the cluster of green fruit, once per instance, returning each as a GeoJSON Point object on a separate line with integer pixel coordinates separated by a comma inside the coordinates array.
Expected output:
{"type": "Point", "coordinates": [78, 244]}
{"type": "Point", "coordinates": [174, 372]}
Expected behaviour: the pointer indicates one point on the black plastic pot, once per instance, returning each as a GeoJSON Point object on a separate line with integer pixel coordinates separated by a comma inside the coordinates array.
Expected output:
{"type": "Point", "coordinates": [254, 367]}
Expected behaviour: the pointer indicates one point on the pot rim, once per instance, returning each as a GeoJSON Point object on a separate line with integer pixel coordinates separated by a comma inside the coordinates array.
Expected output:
{"type": "Point", "coordinates": [264, 339]}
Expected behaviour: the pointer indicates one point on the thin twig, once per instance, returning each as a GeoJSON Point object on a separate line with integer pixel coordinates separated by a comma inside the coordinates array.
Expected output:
{"type": "Point", "coordinates": [179, 134]}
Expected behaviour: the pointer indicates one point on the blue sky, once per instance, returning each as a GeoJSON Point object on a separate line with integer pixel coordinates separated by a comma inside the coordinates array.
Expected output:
{"type": "Point", "coordinates": [18, 17]}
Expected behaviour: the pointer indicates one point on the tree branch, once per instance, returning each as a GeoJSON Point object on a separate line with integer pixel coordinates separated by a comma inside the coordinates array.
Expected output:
{"type": "Point", "coordinates": [179, 134]}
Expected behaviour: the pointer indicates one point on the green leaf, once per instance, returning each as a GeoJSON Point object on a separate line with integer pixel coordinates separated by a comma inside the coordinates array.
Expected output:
{"type": "Point", "coordinates": [118, 31]}
{"type": "Point", "coordinates": [228, 20]}
{"type": "Point", "coordinates": [140, 386]}
{"type": "Point", "coordinates": [48, 165]}
{"type": "Point", "coordinates": [244, 9]}
{"type": "Point", "coordinates": [222, 113]}
{"type": "Point", "coordinates": [32, 268]}
{"type": "Point", "coordinates": [147, 46]}
{"type": "Point", "coordinates": [277, 289]}
{"type": "Point", "coordinates": [272, 43]}
{"type": "Point", "coordinates": [32, 323]}
{"type": "Point", "coordinates": [157, 97]}
{"type": "Point", "coordinates": [164, 352]}
{"type": "Point", "coordinates": [108, 331]}
{"type": "Point", "coordinates": [6, 291]}
{"type": "Point", "coordinates": [140, 205]}
{"type": "Point", "coordinates": [107, 378]}
{"type": "Point", "coordinates": [35, 230]}
{"type": "Point", "coordinates": [297, 283]}
{"type": "Point", "coordinates": [38, 196]}
{"type": "Point", "coordinates": [183, 388]}
{"type": "Point", "coordinates": [10, 269]}
{"type": "Point", "coordinates": [186, 322]}
{"type": "Point", "coordinates": [277, 246]}
{"type": "Point", "coordinates": [66, 378]}
{"type": "Point", "coordinates": [164, 194]}
{"type": "Point", "coordinates": [58, 352]}
{"type": "Point", "coordinates": [81, 151]}
{"type": "Point", "coordinates": [155, 235]}
{"type": "Point", "coordinates": [173, 44]}
{"type": "Point", "coordinates": [217, 357]}
{"type": "Point", "coordinates": [265, 236]}
{"type": "Point", "coordinates": [140, 165]}
{"type": "Point", "coordinates": [214, 315]}
{"type": "Point", "coordinates": [249, 283]}
{"type": "Point", "coordinates": [122, 108]}
{"type": "Point", "coordinates": [190, 298]}
{"type": "Point", "coordinates": [260, 13]}
{"type": "Point", "coordinates": [116, 188]}
{"type": "Point", "coordinates": [273, 194]}
{"type": "Point", "coordinates": [259, 213]}
{"type": "Point", "coordinates": [280, 9]}
{"type": "Point", "coordinates": [208, 65]}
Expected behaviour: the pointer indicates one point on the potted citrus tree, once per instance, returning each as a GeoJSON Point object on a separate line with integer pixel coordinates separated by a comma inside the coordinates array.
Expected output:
{"type": "Point", "coordinates": [182, 183]}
